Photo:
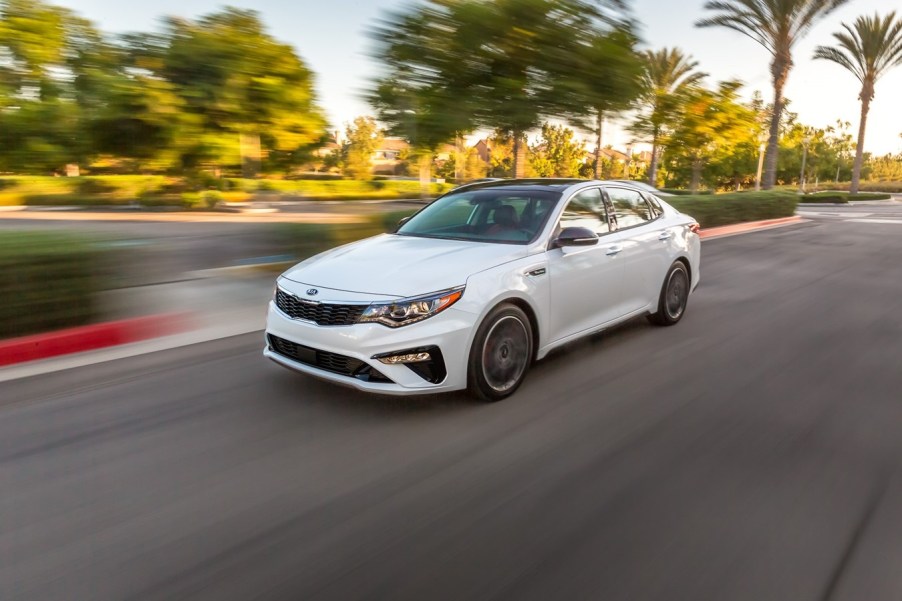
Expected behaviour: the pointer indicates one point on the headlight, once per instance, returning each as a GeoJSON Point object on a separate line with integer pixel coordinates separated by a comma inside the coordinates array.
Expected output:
{"type": "Point", "coordinates": [410, 310]}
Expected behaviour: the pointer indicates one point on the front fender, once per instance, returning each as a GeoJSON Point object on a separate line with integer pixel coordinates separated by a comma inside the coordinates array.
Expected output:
{"type": "Point", "coordinates": [525, 280]}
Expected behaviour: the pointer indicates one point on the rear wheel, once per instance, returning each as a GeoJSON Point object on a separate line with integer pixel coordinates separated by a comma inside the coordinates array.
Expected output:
{"type": "Point", "coordinates": [674, 296]}
{"type": "Point", "coordinates": [501, 353]}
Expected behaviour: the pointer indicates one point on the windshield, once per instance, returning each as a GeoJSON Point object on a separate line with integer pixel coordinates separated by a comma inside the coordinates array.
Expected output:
{"type": "Point", "coordinates": [499, 215]}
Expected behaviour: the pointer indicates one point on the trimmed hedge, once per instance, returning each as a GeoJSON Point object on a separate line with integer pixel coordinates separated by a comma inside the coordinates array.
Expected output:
{"type": "Point", "coordinates": [47, 282]}
{"type": "Point", "coordinates": [725, 209]}
{"type": "Point", "coordinates": [302, 240]}
{"type": "Point", "coordinates": [842, 197]}
{"type": "Point", "coordinates": [682, 192]}
{"type": "Point", "coordinates": [867, 186]}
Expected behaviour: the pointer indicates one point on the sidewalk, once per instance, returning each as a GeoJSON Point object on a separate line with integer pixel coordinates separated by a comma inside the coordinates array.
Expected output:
{"type": "Point", "coordinates": [210, 306]}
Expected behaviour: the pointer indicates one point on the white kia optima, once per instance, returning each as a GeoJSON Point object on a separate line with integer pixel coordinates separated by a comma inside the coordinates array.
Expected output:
{"type": "Point", "coordinates": [480, 283]}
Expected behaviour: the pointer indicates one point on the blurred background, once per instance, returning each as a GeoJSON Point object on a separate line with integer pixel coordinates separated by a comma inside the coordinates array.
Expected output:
{"type": "Point", "coordinates": [161, 163]}
{"type": "Point", "coordinates": [107, 110]}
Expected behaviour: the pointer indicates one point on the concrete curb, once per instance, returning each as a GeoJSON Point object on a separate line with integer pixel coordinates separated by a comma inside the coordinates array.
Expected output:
{"type": "Point", "coordinates": [91, 337]}
{"type": "Point", "coordinates": [749, 226]}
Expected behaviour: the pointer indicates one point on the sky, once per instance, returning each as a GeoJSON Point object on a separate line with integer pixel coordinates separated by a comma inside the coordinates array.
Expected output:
{"type": "Point", "coordinates": [331, 37]}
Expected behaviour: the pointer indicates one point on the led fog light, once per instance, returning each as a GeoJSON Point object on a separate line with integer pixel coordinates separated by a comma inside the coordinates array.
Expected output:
{"type": "Point", "coordinates": [407, 358]}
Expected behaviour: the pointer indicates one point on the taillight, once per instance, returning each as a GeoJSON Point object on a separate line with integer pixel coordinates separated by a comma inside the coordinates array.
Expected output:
{"type": "Point", "coordinates": [694, 227]}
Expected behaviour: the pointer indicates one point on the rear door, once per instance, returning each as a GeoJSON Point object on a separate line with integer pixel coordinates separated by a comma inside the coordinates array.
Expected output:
{"type": "Point", "coordinates": [644, 237]}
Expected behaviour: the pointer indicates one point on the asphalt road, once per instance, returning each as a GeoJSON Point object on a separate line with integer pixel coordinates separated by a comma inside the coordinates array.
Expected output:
{"type": "Point", "coordinates": [751, 452]}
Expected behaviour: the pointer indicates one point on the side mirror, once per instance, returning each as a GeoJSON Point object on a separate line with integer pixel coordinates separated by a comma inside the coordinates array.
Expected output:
{"type": "Point", "coordinates": [402, 222]}
{"type": "Point", "coordinates": [575, 236]}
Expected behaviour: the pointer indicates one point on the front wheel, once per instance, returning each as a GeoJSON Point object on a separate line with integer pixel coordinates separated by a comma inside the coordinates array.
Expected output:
{"type": "Point", "coordinates": [674, 296]}
{"type": "Point", "coordinates": [501, 353]}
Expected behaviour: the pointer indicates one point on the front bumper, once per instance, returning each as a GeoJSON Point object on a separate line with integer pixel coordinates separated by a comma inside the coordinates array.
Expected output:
{"type": "Point", "coordinates": [450, 331]}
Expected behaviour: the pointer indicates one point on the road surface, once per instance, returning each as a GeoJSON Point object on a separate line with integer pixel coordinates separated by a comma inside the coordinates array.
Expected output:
{"type": "Point", "coordinates": [751, 452]}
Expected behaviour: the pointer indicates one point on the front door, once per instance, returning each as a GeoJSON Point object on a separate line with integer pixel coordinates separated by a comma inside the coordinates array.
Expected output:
{"type": "Point", "coordinates": [585, 280]}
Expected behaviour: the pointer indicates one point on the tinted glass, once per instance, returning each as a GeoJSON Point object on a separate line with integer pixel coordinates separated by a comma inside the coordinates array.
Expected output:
{"type": "Point", "coordinates": [629, 207]}
{"type": "Point", "coordinates": [586, 209]}
{"type": "Point", "coordinates": [495, 215]}
{"type": "Point", "coordinates": [655, 203]}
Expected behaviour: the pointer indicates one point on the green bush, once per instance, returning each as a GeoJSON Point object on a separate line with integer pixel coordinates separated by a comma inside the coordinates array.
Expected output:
{"type": "Point", "coordinates": [842, 197]}
{"type": "Point", "coordinates": [47, 282]}
{"type": "Point", "coordinates": [682, 192]}
{"type": "Point", "coordinates": [866, 186]}
{"type": "Point", "coordinates": [725, 209]}
{"type": "Point", "coordinates": [302, 240]}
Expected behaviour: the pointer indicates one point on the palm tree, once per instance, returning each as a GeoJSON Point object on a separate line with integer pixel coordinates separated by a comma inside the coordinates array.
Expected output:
{"type": "Point", "coordinates": [668, 74]}
{"type": "Point", "coordinates": [777, 25]}
{"type": "Point", "coordinates": [868, 48]}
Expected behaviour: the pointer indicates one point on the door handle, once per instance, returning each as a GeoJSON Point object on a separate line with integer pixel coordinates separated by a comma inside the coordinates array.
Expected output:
{"type": "Point", "coordinates": [665, 236]}
{"type": "Point", "coordinates": [614, 250]}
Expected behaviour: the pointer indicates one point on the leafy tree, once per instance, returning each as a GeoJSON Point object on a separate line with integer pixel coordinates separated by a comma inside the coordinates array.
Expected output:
{"type": "Point", "coordinates": [607, 82]}
{"type": "Point", "coordinates": [419, 96]}
{"type": "Point", "coordinates": [712, 122]}
{"type": "Point", "coordinates": [868, 48]}
{"type": "Point", "coordinates": [33, 43]}
{"type": "Point", "coordinates": [140, 120]}
{"type": "Point", "coordinates": [885, 168]}
{"type": "Point", "coordinates": [558, 154]}
{"type": "Point", "coordinates": [501, 155]}
{"type": "Point", "coordinates": [473, 166]}
{"type": "Point", "coordinates": [527, 55]}
{"type": "Point", "coordinates": [363, 140]}
{"type": "Point", "coordinates": [668, 75]}
{"type": "Point", "coordinates": [246, 89]}
{"type": "Point", "coordinates": [776, 25]}
{"type": "Point", "coordinates": [841, 146]}
{"type": "Point", "coordinates": [39, 123]}
{"type": "Point", "coordinates": [463, 166]}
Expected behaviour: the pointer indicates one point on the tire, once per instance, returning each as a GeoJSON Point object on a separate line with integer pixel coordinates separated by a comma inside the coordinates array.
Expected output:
{"type": "Point", "coordinates": [501, 354]}
{"type": "Point", "coordinates": [674, 296]}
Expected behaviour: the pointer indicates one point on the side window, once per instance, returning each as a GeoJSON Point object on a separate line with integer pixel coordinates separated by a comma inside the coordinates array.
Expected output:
{"type": "Point", "coordinates": [656, 208]}
{"type": "Point", "coordinates": [630, 208]}
{"type": "Point", "coordinates": [586, 209]}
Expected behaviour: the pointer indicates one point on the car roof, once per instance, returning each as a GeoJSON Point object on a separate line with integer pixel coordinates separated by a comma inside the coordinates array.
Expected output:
{"type": "Point", "coordinates": [548, 183]}
{"type": "Point", "coordinates": [543, 183]}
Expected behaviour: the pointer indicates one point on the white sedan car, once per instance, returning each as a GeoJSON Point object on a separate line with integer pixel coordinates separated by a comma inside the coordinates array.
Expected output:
{"type": "Point", "coordinates": [473, 288]}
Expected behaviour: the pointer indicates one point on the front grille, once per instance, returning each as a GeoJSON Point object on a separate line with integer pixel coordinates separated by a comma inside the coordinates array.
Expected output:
{"type": "Point", "coordinates": [323, 314]}
{"type": "Point", "coordinates": [339, 364]}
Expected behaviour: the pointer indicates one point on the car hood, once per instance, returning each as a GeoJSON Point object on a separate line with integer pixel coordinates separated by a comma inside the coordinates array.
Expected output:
{"type": "Point", "coordinates": [402, 266]}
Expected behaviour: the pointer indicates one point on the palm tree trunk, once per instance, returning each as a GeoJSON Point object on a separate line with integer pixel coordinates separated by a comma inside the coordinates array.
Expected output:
{"type": "Point", "coordinates": [425, 173]}
{"type": "Point", "coordinates": [519, 155]}
{"type": "Point", "coordinates": [696, 175]}
{"type": "Point", "coordinates": [859, 148]}
{"type": "Point", "coordinates": [653, 167]}
{"type": "Point", "coordinates": [780, 71]}
{"type": "Point", "coordinates": [599, 123]}
{"type": "Point", "coordinates": [458, 151]}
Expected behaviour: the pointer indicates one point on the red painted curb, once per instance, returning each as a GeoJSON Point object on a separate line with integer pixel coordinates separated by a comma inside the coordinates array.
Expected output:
{"type": "Point", "coordinates": [749, 226]}
{"type": "Point", "coordinates": [89, 338]}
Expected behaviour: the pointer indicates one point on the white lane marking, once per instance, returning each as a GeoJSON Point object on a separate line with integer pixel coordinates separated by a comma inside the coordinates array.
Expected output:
{"type": "Point", "coordinates": [895, 221]}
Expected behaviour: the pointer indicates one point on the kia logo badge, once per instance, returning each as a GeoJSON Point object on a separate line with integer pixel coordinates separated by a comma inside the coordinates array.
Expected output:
{"type": "Point", "coordinates": [312, 292]}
